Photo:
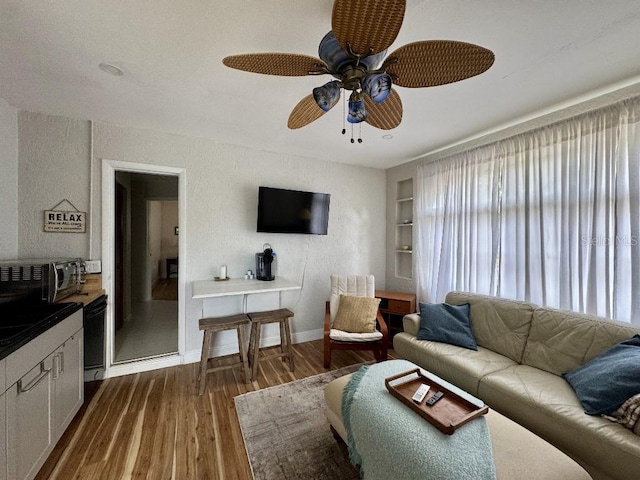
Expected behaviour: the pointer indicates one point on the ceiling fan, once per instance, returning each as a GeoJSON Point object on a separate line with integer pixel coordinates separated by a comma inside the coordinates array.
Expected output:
{"type": "Point", "coordinates": [354, 53]}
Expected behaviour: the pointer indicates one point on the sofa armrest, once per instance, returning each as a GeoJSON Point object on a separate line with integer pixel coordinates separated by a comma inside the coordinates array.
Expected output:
{"type": "Point", "coordinates": [411, 324]}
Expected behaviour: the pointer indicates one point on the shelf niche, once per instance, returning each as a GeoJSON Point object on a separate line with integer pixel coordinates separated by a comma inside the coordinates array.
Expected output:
{"type": "Point", "coordinates": [404, 229]}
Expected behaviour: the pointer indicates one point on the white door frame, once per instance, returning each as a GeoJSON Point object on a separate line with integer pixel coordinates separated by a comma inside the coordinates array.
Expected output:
{"type": "Point", "coordinates": [109, 168]}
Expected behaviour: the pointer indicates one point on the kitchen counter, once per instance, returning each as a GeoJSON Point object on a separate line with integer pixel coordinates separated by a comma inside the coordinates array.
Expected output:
{"type": "Point", "coordinates": [36, 329]}
{"type": "Point", "coordinates": [85, 298]}
{"type": "Point", "coordinates": [91, 289]}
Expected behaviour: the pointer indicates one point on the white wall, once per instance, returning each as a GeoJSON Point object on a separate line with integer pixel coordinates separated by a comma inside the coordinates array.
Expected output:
{"type": "Point", "coordinates": [222, 195]}
{"type": "Point", "coordinates": [8, 181]}
{"type": "Point", "coordinates": [221, 207]}
{"type": "Point", "coordinates": [54, 165]}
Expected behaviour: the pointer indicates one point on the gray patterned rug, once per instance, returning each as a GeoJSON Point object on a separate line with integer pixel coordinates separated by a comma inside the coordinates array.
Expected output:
{"type": "Point", "coordinates": [287, 435]}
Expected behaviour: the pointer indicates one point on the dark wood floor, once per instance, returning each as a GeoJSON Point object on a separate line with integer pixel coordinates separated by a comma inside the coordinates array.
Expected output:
{"type": "Point", "coordinates": [165, 289]}
{"type": "Point", "coordinates": [154, 425]}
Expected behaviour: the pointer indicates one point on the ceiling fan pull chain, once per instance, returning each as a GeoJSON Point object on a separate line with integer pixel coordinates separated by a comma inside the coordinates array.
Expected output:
{"type": "Point", "coordinates": [344, 114]}
{"type": "Point", "coordinates": [360, 132]}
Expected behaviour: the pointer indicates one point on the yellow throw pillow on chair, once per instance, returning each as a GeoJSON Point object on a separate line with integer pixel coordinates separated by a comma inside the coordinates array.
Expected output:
{"type": "Point", "coordinates": [356, 314]}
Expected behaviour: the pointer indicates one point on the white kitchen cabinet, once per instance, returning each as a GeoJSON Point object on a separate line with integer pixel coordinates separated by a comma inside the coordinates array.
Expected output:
{"type": "Point", "coordinates": [29, 421]}
{"type": "Point", "coordinates": [45, 391]}
{"type": "Point", "coordinates": [68, 381]}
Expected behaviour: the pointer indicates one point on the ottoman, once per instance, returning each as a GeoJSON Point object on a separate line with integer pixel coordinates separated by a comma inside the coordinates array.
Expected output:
{"type": "Point", "coordinates": [517, 452]}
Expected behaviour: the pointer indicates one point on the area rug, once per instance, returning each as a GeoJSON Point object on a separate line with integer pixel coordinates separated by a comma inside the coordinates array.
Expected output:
{"type": "Point", "coordinates": [286, 432]}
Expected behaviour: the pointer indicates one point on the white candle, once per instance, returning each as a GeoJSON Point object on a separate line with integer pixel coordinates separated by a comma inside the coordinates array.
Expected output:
{"type": "Point", "coordinates": [223, 272]}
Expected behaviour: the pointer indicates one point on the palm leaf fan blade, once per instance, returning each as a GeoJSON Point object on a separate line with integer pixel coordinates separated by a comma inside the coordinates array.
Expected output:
{"type": "Point", "coordinates": [437, 62]}
{"type": "Point", "coordinates": [385, 115]}
{"type": "Point", "coordinates": [368, 27]}
{"type": "Point", "coordinates": [305, 112]}
{"type": "Point", "coordinates": [281, 64]}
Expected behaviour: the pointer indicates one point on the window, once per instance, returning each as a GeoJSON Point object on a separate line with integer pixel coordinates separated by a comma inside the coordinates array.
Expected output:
{"type": "Point", "coordinates": [551, 216]}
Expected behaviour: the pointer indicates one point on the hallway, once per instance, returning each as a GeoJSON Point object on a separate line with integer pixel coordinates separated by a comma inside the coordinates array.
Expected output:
{"type": "Point", "coordinates": [152, 331]}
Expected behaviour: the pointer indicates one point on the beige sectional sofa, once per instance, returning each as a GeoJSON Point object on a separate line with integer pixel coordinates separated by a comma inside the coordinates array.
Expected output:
{"type": "Point", "coordinates": [522, 351]}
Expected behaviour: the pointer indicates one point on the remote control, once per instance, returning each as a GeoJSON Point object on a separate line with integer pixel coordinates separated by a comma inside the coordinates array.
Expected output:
{"type": "Point", "coordinates": [437, 396]}
{"type": "Point", "coordinates": [420, 393]}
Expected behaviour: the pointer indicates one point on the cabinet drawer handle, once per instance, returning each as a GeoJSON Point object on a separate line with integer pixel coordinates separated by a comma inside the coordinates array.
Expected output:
{"type": "Point", "coordinates": [32, 384]}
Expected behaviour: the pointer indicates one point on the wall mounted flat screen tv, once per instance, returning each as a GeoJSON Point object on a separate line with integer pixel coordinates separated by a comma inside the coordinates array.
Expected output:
{"type": "Point", "coordinates": [292, 211]}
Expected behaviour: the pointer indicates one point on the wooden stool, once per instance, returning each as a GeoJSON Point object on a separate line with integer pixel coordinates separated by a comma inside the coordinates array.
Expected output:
{"type": "Point", "coordinates": [218, 324]}
{"type": "Point", "coordinates": [258, 319]}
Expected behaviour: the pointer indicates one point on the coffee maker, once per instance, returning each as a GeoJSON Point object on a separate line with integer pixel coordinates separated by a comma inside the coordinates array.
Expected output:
{"type": "Point", "coordinates": [266, 263]}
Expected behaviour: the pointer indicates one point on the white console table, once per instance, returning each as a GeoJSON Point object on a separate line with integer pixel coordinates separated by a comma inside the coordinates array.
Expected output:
{"type": "Point", "coordinates": [238, 286]}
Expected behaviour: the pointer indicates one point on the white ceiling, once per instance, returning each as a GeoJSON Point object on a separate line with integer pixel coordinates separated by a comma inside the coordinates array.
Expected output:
{"type": "Point", "coordinates": [547, 52]}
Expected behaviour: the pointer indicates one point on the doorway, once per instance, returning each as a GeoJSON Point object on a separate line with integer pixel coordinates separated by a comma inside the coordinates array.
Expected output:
{"type": "Point", "coordinates": [142, 251]}
{"type": "Point", "coordinates": [146, 237]}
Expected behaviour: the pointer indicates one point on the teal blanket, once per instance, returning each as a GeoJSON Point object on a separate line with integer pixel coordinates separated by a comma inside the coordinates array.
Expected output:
{"type": "Point", "coordinates": [389, 440]}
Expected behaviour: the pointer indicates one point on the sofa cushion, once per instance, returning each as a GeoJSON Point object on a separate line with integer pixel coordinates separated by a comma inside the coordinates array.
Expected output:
{"type": "Point", "coordinates": [356, 314]}
{"type": "Point", "coordinates": [560, 341]}
{"type": "Point", "coordinates": [547, 405]}
{"type": "Point", "coordinates": [441, 322]}
{"type": "Point", "coordinates": [499, 324]}
{"type": "Point", "coordinates": [608, 380]}
{"type": "Point", "coordinates": [458, 365]}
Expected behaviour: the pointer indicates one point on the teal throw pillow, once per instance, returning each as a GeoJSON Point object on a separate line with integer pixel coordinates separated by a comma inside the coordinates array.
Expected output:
{"type": "Point", "coordinates": [608, 380]}
{"type": "Point", "coordinates": [441, 322]}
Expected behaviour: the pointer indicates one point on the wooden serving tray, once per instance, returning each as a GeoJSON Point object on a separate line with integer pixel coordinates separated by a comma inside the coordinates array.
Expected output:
{"type": "Point", "coordinates": [449, 413]}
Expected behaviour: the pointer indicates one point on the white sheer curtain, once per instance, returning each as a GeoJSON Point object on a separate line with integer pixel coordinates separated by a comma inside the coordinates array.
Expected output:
{"type": "Point", "coordinates": [551, 216]}
{"type": "Point", "coordinates": [457, 225]}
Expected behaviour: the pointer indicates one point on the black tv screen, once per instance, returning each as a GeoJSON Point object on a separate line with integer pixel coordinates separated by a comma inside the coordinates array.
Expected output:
{"type": "Point", "coordinates": [292, 211]}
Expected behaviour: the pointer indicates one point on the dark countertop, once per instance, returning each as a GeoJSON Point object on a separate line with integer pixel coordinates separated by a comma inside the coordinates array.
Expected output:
{"type": "Point", "coordinates": [38, 328]}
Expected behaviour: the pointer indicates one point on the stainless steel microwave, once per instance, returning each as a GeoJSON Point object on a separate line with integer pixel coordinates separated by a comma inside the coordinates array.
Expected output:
{"type": "Point", "coordinates": [48, 280]}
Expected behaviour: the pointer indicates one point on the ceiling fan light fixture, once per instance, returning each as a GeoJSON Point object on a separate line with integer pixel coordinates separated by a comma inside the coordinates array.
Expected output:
{"type": "Point", "coordinates": [377, 86]}
{"type": "Point", "coordinates": [331, 53]}
{"type": "Point", "coordinates": [357, 110]}
{"type": "Point", "coordinates": [338, 59]}
{"type": "Point", "coordinates": [327, 95]}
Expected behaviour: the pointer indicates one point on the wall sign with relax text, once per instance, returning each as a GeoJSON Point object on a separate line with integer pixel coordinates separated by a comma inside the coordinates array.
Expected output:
{"type": "Point", "coordinates": [65, 221]}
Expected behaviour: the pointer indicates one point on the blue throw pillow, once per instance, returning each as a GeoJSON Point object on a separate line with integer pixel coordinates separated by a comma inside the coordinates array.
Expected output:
{"type": "Point", "coordinates": [605, 382]}
{"type": "Point", "coordinates": [441, 322]}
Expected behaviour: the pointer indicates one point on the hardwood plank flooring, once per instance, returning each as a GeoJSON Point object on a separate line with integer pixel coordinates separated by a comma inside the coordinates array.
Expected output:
{"type": "Point", "coordinates": [154, 426]}
{"type": "Point", "coordinates": [165, 289]}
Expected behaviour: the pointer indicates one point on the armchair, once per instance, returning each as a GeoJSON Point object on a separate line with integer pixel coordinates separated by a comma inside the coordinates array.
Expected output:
{"type": "Point", "coordinates": [334, 339]}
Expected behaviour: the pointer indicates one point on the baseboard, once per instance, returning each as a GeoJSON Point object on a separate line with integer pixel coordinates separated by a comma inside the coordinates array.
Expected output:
{"type": "Point", "coordinates": [193, 356]}
{"type": "Point", "coordinates": [307, 336]}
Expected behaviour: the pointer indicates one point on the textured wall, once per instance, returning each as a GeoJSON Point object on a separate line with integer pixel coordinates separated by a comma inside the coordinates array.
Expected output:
{"type": "Point", "coordinates": [54, 165]}
{"type": "Point", "coordinates": [8, 181]}
{"type": "Point", "coordinates": [222, 195]}
{"type": "Point", "coordinates": [221, 207]}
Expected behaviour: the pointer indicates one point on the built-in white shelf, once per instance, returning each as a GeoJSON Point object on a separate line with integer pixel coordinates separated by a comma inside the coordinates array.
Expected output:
{"type": "Point", "coordinates": [404, 229]}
